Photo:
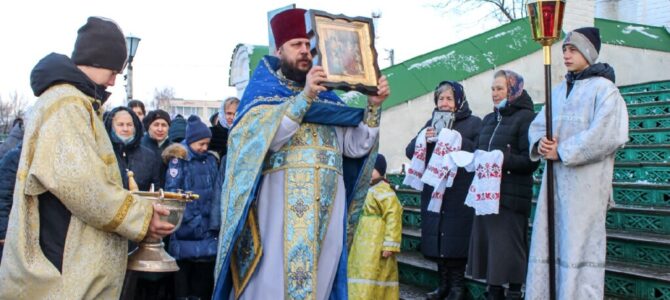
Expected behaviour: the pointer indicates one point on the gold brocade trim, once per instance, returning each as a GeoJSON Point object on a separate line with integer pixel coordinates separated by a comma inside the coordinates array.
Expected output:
{"type": "Point", "coordinates": [109, 159]}
{"type": "Point", "coordinates": [287, 242]}
{"type": "Point", "coordinates": [303, 166]}
{"type": "Point", "coordinates": [284, 238]}
{"type": "Point", "coordinates": [373, 115]}
{"type": "Point", "coordinates": [120, 214]}
{"type": "Point", "coordinates": [21, 175]}
{"type": "Point", "coordinates": [255, 236]}
{"type": "Point", "coordinates": [309, 147]}
{"type": "Point", "coordinates": [317, 191]}
{"type": "Point", "coordinates": [373, 215]}
{"type": "Point", "coordinates": [145, 226]}
{"type": "Point", "coordinates": [231, 200]}
{"type": "Point", "coordinates": [293, 118]}
{"type": "Point", "coordinates": [316, 247]}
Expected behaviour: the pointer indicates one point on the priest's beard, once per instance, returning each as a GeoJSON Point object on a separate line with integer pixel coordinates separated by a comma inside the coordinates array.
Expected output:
{"type": "Point", "coordinates": [291, 71]}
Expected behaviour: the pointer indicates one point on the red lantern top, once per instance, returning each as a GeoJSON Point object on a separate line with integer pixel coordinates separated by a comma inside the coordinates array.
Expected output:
{"type": "Point", "coordinates": [546, 20]}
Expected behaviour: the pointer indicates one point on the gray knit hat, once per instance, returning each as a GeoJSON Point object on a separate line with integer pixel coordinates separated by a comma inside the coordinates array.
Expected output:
{"type": "Point", "coordinates": [587, 41]}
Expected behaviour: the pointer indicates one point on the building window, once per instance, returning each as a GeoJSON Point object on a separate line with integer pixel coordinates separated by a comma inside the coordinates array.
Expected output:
{"type": "Point", "coordinates": [212, 110]}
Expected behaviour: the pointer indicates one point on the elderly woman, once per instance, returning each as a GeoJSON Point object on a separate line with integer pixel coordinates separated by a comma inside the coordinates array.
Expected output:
{"type": "Point", "coordinates": [498, 248]}
{"type": "Point", "coordinates": [125, 131]}
{"type": "Point", "coordinates": [445, 235]}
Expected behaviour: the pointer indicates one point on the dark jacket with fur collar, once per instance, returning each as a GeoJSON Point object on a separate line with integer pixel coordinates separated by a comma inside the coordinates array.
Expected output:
{"type": "Point", "coordinates": [191, 171]}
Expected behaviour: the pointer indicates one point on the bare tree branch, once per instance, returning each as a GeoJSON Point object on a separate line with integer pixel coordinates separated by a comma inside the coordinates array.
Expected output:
{"type": "Point", "coordinates": [163, 98]}
{"type": "Point", "coordinates": [10, 109]}
{"type": "Point", "coordinates": [503, 11]}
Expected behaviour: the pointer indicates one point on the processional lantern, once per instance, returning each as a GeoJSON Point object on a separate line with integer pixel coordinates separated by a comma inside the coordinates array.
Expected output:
{"type": "Point", "coordinates": [546, 20]}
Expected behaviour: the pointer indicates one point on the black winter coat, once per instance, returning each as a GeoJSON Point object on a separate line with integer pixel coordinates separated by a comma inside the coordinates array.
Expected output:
{"type": "Point", "coordinates": [8, 166]}
{"type": "Point", "coordinates": [141, 160]}
{"type": "Point", "coordinates": [219, 141]}
{"type": "Point", "coordinates": [507, 130]}
{"type": "Point", "coordinates": [15, 137]}
{"type": "Point", "coordinates": [151, 144]}
{"type": "Point", "coordinates": [447, 234]}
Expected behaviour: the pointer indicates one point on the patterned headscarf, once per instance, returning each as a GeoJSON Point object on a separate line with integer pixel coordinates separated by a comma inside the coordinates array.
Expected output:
{"type": "Point", "coordinates": [514, 84]}
{"type": "Point", "coordinates": [457, 88]}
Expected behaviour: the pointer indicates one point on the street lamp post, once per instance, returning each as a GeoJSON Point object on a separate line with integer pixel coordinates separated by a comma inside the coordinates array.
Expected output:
{"type": "Point", "coordinates": [131, 43]}
{"type": "Point", "coordinates": [546, 20]}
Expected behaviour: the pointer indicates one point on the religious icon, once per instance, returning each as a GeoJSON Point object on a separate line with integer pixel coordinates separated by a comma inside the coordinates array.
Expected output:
{"type": "Point", "coordinates": [442, 119]}
{"type": "Point", "coordinates": [344, 46]}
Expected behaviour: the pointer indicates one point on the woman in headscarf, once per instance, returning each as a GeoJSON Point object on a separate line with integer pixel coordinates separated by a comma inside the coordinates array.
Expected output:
{"type": "Point", "coordinates": [498, 248]}
{"type": "Point", "coordinates": [125, 131]}
{"type": "Point", "coordinates": [445, 235]}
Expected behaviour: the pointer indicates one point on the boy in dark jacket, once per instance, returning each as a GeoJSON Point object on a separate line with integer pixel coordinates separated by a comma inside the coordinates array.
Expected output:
{"type": "Point", "coordinates": [192, 168]}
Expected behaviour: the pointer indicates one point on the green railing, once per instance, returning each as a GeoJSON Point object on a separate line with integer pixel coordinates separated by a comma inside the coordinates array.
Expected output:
{"type": "Point", "coordinates": [648, 109]}
{"type": "Point", "coordinates": [644, 154]}
{"type": "Point", "coordinates": [650, 172]}
{"type": "Point", "coordinates": [429, 279]}
{"type": "Point", "coordinates": [645, 87]}
{"type": "Point", "coordinates": [648, 122]}
{"type": "Point", "coordinates": [409, 198]}
{"type": "Point", "coordinates": [647, 97]}
{"type": "Point", "coordinates": [648, 136]}
{"type": "Point", "coordinates": [638, 221]}
{"type": "Point", "coordinates": [617, 285]}
{"type": "Point", "coordinates": [642, 254]}
{"type": "Point", "coordinates": [628, 287]}
{"type": "Point", "coordinates": [642, 195]}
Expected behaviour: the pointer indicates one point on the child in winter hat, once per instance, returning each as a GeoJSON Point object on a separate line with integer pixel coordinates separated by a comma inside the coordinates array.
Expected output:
{"type": "Point", "coordinates": [196, 130]}
{"type": "Point", "coordinates": [380, 165]}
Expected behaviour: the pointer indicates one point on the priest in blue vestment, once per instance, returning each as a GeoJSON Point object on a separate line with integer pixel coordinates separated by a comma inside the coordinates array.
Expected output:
{"type": "Point", "coordinates": [298, 168]}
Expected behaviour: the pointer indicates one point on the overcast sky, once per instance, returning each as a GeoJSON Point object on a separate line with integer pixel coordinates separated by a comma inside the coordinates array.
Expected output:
{"type": "Point", "coordinates": [187, 45]}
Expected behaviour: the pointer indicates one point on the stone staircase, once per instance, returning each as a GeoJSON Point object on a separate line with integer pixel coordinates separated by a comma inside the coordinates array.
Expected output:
{"type": "Point", "coordinates": [638, 236]}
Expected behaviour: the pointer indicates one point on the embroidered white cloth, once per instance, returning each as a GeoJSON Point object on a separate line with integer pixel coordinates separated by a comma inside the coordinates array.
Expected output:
{"type": "Point", "coordinates": [441, 169]}
{"type": "Point", "coordinates": [418, 163]}
{"type": "Point", "coordinates": [484, 192]}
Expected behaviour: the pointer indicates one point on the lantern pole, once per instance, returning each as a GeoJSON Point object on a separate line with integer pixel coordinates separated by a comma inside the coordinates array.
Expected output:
{"type": "Point", "coordinates": [546, 18]}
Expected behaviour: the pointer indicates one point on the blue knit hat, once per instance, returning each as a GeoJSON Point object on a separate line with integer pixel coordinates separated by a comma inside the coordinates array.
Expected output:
{"type": "Point", "coordinates": [177, 129]}
{"type": "Point", "coordinates": [196, 130]}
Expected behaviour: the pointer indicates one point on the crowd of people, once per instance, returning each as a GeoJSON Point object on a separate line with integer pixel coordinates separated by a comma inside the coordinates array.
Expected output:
{"type": "Point", "coordinates": [293, 198]}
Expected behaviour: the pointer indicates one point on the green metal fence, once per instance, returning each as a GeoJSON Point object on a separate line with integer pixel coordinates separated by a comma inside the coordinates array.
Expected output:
{"type": "Point", "coordinates": [647, 97]}
{"type": "Point", "coordinates": [645, 87]}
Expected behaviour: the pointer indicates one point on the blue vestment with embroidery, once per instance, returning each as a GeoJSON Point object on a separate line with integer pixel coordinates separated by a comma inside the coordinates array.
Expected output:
{"type": "Point", "coordinates": [268, 98]}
